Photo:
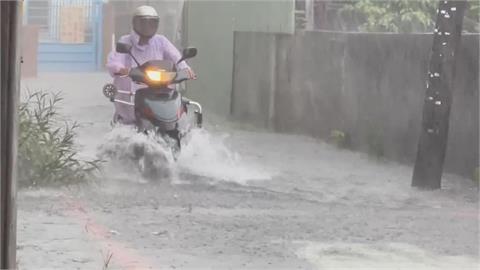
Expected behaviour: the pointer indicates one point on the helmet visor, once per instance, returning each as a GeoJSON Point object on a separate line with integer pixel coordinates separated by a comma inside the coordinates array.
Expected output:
{"type": "Point", "coordinates": [145, 26]}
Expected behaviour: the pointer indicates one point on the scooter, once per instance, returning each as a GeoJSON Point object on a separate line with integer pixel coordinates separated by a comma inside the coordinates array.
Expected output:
{"type": "Point", "coordinates": [159, 109]}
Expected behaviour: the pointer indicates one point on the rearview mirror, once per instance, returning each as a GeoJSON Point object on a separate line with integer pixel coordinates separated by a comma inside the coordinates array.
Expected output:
{"type": "Point", "coordinates": [188, 53]}
{"type": "Point", "coordinates": [123, 47]}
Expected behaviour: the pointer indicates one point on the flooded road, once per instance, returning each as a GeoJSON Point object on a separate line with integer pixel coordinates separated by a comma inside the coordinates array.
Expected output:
{"type": "Point", "coordinates": [240, 199]}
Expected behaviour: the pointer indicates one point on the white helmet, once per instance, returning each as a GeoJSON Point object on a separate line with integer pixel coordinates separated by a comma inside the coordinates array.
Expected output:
{"type": "Point", "coordinates": [145, 21]}
{"type": "Point", "coordinates": [145, 11]}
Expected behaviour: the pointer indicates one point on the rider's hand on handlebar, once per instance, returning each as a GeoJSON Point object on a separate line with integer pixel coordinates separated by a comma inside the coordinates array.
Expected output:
{"type": "Point", "coordinates": [191, 74]}
{"type": "Point", "coordinates": [123, 72]}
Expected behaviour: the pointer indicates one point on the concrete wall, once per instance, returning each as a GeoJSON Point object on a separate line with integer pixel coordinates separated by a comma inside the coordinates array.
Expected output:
{"type": "Point", "coordinates": [209, 26]}
{"type": "Point", "coordinates": [370, 86]}
{"type": "Point", "coordinates": [254, 78]}
{"type": "Point", "coordinates": [29, 51]}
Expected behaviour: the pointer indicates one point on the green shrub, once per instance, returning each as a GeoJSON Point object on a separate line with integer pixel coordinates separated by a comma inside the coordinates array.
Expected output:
{"type": "Point", "coordinates": [402, 16]}
{"type": "Point", "coordinates": [340, 139]}
{"type": "Point", "coordinates": [46, 151]}
{"type": "Point", "coordinates": [392, 16]}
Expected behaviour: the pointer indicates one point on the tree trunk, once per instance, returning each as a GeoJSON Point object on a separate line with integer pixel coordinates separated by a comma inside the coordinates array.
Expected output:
{"type": "Point", "coordinates": [432, 145]}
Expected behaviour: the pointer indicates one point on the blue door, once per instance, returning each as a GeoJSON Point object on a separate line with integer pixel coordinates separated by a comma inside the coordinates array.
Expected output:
{"type": "Point", "coordinates": [70, 33]}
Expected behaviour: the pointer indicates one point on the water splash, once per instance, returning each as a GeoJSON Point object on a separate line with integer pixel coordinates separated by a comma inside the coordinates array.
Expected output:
{"type": "Point", "coordinates": [207, 154]}
{"type": "Point", "coordinates": [136, 154]}
{"type": "Point", "coordinates": [203, 154]}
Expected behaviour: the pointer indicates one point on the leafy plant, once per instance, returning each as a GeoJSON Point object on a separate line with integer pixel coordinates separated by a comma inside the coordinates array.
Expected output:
{"type": "Point", "coordinates": [402, 16]}
{"type": "Point", "coordinates": [340, 139]}
{"type": "Point", "coordinates": [46, 152]}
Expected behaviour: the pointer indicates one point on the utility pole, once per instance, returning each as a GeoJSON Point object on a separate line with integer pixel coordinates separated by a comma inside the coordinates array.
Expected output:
{"type": "Point", "coordinates": [432, 145]}
{"type": "Point", "coordinates": [10, 21]}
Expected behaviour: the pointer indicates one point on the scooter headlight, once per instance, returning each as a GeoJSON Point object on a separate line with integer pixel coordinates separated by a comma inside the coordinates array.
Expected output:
{"type": "Point", "coordinates": [160, 75]}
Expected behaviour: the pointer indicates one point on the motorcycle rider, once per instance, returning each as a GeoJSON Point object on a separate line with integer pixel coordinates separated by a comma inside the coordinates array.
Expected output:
{"type": "Point", "coordinates": [146, 45]}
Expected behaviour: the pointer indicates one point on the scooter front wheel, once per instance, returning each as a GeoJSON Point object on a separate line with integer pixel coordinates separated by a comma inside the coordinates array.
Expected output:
{"type": "Point", "coordinates": [173, 140]}
{"type": "Point", "coordinates": [152, 170]}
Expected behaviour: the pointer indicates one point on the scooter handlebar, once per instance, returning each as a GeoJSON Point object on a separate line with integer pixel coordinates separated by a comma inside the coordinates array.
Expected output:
{"type": "Point", "coordinates": [182, 75]}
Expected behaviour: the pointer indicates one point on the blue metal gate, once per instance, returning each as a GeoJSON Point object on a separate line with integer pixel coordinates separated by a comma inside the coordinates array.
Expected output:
{"type": "Point", "coordinates": [70, 33]}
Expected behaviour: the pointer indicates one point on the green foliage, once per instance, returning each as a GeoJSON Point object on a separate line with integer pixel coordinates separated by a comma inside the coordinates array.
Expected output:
{"type": "Point", "coordinates": [403, 16]}
{"type": "Point", "coordinates": [340, 139]}
{"type": "Point", "coordinates": [393, 16]}
{"type": "Point", "coordinates": [473, 11]}
{"type": "Point", "coordinates": [472, 17]}
{"type": "Point", "coordinates": [46, 152]}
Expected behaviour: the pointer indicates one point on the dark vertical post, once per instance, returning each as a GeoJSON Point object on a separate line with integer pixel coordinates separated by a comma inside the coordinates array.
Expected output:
{"type": "Point", "coordinates": [9, 92]}
{"type": "Point", "coordinates": [432, 145]}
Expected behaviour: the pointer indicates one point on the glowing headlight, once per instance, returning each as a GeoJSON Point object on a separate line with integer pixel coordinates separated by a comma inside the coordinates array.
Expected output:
{"type": "Point", "coordinates": [160, 75]}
